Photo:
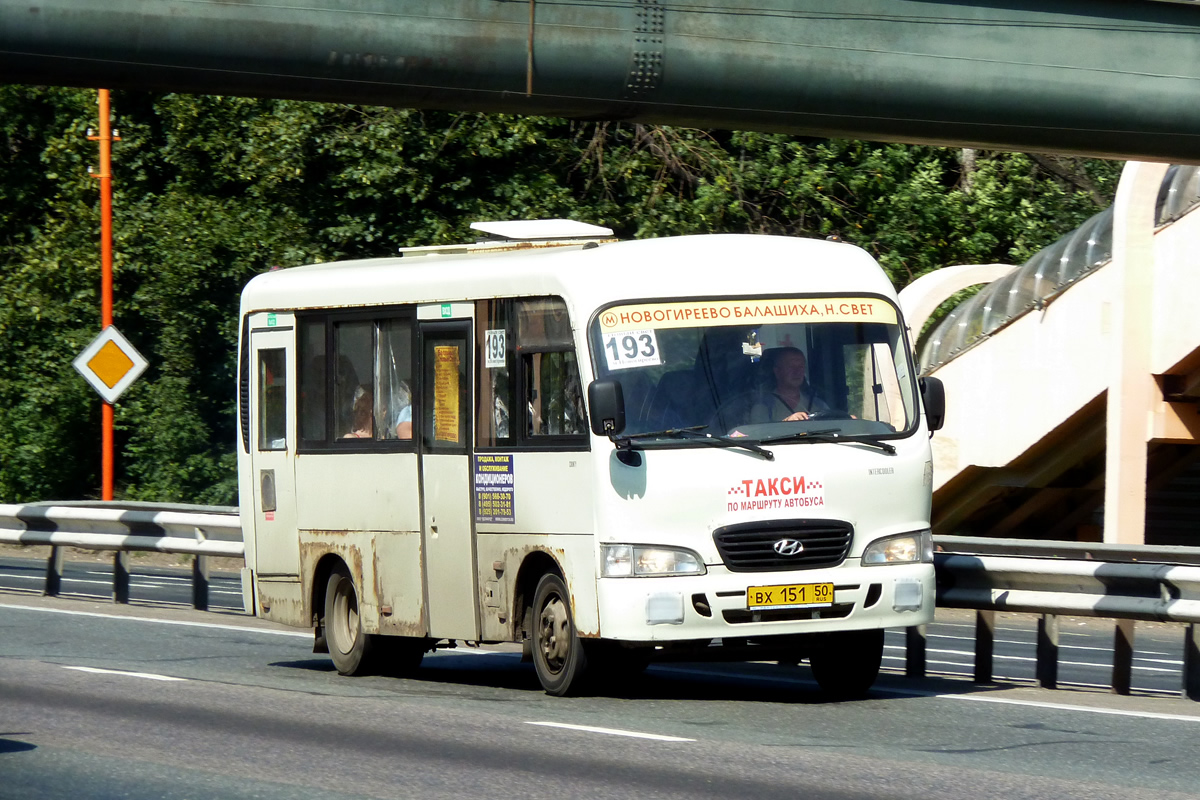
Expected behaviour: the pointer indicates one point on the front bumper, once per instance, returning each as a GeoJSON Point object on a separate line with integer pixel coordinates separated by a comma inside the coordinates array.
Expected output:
{"type": "Point", "coordinates": [673, 609]}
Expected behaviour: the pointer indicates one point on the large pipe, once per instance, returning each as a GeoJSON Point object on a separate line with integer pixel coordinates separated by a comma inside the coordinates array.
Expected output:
{"type": "Point", "coordinates": [1115, 78]}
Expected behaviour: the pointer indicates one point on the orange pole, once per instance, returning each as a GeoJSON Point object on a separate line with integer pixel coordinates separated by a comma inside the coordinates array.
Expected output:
{"type": "Point", "coordinates": [106, 448]}
{"type": "Point", "coordinates": [105, 177]}
{"type": "Point", "coordinates": [106, 305]}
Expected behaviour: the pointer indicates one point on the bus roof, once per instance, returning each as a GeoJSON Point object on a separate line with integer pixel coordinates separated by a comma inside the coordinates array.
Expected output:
{"type": "Point", "coordinates": [587, 276]}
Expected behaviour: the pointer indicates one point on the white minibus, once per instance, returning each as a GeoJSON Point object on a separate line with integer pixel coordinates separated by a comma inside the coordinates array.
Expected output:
{"type": "Point", "coordinates": [612, 452]}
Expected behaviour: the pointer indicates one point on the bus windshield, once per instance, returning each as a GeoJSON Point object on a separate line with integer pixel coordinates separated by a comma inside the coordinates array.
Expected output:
{"type": "Point", "coordinates": [769, 369]}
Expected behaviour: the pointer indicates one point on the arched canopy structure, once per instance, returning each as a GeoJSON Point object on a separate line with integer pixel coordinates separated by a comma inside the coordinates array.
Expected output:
{"type": "Point", "coordinates": [1048, 273]}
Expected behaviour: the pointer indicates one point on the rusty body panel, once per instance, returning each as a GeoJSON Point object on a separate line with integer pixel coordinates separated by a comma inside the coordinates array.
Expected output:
{"type": "Point", "coordinates": [399, 585]}
{"type": "Point", "coordinates": [510, 566]}
{"type": "Point", "coordinates": [390, 590]}
{"type": "Point", "coordinates": [282, 600]}
{"type": "Point", "coordinates": [370, 524]}
{"type": "Point", "coordinates": [554, 531]}
{"type": "Point", "coordinates": [316, 545]}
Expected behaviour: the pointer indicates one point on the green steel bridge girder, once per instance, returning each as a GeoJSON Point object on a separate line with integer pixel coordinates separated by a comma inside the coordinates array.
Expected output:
{"type": "Point", "coordinates": [1111, 78]}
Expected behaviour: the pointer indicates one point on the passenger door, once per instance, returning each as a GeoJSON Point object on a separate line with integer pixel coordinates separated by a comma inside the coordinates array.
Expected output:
{"type": "Point", "coordinates": [446, 436]}
{"type": "Point", "coordinates": [273, 444]}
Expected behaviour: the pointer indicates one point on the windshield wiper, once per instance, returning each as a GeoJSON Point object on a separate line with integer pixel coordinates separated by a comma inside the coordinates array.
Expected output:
{"type": "Point", "coordinates": [692, 434]}
{"type": "Point", "coordinates": [830, 435]}
{"type": "Point", "coordinates": [668, 433]}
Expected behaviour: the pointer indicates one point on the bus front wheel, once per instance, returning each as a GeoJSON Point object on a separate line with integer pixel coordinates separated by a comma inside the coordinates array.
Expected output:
{"type": "Point", "coordinates": [350, 648]}
{"type": "Point", "coordinates": [558, 654]}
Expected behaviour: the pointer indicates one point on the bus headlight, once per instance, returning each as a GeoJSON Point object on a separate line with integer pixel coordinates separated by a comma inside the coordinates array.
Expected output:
{"type": "Point", "coordinates": [907, 548]}
{"type": "Point", "coordinates": [625, 560]}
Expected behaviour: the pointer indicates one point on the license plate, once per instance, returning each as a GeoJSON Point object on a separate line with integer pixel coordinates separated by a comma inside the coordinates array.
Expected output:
{"type": "Point", "coordinates": [797, 595]}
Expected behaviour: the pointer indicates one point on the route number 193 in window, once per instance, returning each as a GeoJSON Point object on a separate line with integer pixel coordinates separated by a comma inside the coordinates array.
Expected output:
{"type": "Point", "coordinates": [631, 349]}
{"type": "Point", "coordinates": [494, 349]}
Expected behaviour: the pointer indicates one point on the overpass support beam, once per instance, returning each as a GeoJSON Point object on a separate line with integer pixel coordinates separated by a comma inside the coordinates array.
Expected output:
{"type": "Point", "coordinates": [1112, 78]}
{"type": "Point", "coordinates": [1132, 390]}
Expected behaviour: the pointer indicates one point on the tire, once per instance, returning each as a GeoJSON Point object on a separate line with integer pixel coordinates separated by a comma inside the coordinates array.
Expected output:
{"type": "Point", "coordinates": [352, 651]}
{"type": "Point", "coordinates": [558, 655]}
{"type": "Point", "coordinates": [847, 664]}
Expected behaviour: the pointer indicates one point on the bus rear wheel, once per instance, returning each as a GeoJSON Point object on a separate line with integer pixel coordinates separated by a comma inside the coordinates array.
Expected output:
{"type": "Point", "coordinates": [848, 664]}
{"type": "Point", "coordinates": [558, 655]}
{"type": "Point", "coordinates": [351, 649]}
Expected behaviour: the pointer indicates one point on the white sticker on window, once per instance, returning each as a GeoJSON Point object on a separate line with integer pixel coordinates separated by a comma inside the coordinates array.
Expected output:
{"type": "Point", "coordinates": [494, 349]}
{"type": "Point", "coordinates": [631, 349]}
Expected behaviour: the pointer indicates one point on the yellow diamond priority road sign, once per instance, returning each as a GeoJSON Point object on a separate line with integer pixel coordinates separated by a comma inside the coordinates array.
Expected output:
{"type": "Point", "coordinates": [110, 364]}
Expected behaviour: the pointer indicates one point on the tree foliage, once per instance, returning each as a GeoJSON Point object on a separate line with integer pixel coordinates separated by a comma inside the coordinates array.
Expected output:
{"type": "Point", "coordinates": [209, 191]}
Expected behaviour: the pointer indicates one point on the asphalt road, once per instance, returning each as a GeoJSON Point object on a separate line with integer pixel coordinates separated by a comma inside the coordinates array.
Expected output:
{"type": "Point", "coordinates": [1085, 645]}
{"type": "Point", "coordinates": [157, 702]}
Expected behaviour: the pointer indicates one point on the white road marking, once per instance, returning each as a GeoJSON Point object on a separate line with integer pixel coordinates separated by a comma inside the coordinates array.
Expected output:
{"type": "Point", "coordinates": [155, 576]}
{"type": "Point", "coordinates": [471, 651]}
{"type": "Point", "coordinates": [186, 623]}
{"type": "Point", "coordinates": [1031, 642]}
{"type": "Point", "coordinates": [999, 657]}
{"type": "Point", "coordinates": [147, 675]}
{"type": "Point", "coordinates": [134, 582]}
{"type": "Point", "coordinates": [959, 664]}
{"type": "Point", "coordinates": [77, 595]}
{"type": "Point", "coordinates": [944, 696]}
{"type": "Point", "coordinates": [612, 732]}
{"type": "Point", "coordinates": [1031, 631]}
{"type": "Point", "coordinates": [1118, 712]}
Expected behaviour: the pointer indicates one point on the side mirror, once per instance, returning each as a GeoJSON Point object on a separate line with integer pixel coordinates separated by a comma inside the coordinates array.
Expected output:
{"type": "Point", "coordinates": [606, 403]}
{"type": "Point", "coordinates": [933, 397]}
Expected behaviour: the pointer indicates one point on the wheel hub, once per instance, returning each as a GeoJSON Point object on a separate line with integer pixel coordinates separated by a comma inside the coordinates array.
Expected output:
{"type": "Point", "coordinates": [345, 619]}
{"type": "Point", "coordinates": [555, 636]}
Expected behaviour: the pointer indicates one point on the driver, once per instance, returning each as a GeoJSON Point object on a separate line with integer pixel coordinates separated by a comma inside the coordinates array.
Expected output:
{"type": "Point", "coordinates": [792, 397]}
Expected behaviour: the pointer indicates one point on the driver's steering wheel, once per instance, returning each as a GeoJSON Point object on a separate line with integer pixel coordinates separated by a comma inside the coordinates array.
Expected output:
{"type": "Point", "coordinates": [733, 412]}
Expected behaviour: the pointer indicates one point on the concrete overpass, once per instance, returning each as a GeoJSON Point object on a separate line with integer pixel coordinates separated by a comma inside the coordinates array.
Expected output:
{"type": "Point", "coordinates": [1114, 78]}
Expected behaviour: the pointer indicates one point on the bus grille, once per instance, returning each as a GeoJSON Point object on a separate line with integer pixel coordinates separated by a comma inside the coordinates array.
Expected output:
{"type": "Point", "coordinates": [751, 547]}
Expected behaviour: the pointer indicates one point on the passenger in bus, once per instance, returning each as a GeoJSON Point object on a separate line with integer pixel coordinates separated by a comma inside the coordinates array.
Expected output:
{"type": "Point", "coordinates": [346, 390]}
{"type": "Point", "coordinates": [792, 397]}
{"type": "Point", "coordinates": [363, 418]}
{"type": "Point", "coordinates": [402, 423]}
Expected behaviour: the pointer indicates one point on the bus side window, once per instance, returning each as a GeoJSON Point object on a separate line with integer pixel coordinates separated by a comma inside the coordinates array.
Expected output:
{"type": "Point", "coordinates": [393, 371]}
{"type": "Point", "coordinates": [353, 381]}
{"type": "Point", "coordinates": [555, 398]}
{"type": "Point", "coordinates": [553, 395]}
{"type": "Point", "coordinates": [312, 380]}
{"type": "Point", "coordinates": [494, 345]}
{"type": "Point", "coordinates": [272, 407]}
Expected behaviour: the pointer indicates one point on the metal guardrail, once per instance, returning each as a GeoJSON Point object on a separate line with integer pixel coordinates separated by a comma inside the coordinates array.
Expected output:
{"type": "Point", "coordinates": [1155, 592]}
{"type": "Point", "coordinates": [201, 531]}
{"type": "Point", "coordinates": [1082, 551]}
{"type": "Point", "coordinates": [1121, 582]}
{"type": "Point", "coordinates": [1124, 583]}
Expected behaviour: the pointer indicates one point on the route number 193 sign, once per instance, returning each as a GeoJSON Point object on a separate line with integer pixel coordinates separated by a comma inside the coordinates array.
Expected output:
{"type": "Point", "coordinates": [494, 348]}
{"type": "Point", "coordinates": [631, 349]}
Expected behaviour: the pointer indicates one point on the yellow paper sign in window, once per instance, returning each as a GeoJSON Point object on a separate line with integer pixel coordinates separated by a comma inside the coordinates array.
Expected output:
{"type": "Point", "coordinates": [445, 393]}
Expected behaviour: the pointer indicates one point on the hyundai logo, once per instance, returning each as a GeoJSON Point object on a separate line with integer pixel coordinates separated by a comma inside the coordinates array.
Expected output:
{"type": "Point", "coordinates": [788, 547]}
